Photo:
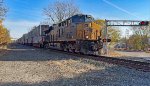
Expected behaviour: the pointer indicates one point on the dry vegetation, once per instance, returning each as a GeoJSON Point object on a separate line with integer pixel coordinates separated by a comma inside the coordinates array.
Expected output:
{"type": "Point", "coordinates": [115, 54]}
{"type": "Point", "coordinates": [61, 10]}
{"type": "Point", "coordinates": [4, 36]}
{"type": "Point", "coordinates": [4, 33]}
{"type": "Point", "coordinates": [28, 66]}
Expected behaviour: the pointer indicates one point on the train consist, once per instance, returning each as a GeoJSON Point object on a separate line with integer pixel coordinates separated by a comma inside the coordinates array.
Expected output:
{"type": "Point", "coordinates": [35, 37]}
{"type": "Point", "coordinates": [79, 33]}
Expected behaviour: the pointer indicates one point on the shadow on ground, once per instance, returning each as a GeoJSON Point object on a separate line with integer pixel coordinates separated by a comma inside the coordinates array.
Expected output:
{"type": "Point", "coordinates": [17, 52]}
{"type": "Point", "coordinates": [110, 76]}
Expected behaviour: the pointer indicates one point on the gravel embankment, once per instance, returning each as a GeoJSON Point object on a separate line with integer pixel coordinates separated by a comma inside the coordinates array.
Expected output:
{"type": "Point", "coordinates": [27, 66]}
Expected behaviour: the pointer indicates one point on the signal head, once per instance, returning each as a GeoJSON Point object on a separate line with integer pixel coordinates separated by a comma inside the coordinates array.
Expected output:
{"type": "Point", "coordinates": [144, 23]}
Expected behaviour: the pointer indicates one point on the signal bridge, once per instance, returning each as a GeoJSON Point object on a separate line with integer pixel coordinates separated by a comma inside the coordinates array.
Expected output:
{"type": "Point", "coordinates": [120, 23]}
{"type": "Point", "coordinates": [126, 23]}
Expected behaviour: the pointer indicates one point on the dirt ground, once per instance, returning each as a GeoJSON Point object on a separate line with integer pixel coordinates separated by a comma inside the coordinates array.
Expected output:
{"type": "Point", "coordinates": [27, 66]}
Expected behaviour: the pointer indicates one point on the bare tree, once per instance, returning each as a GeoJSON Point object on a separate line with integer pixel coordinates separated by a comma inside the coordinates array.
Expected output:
{"type": "Point", "coordinates": [142, 31]}
{"type": "Point", "coordinates": [3, 10]}
{"type": "Point", "coordinates": [139, 39]}
{"type": "Point", "coordinates": [60, 10]}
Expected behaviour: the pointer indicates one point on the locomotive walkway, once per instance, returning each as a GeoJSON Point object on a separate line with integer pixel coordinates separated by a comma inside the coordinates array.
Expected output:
{"type": "Point", "coordinates": [28, 66]}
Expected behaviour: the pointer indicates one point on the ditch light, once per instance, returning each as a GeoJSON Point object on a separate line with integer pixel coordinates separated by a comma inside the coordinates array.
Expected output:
{"type": "Point", "coordinates": [106, 40]}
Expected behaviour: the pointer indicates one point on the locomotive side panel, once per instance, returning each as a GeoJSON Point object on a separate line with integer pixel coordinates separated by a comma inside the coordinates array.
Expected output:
{"type": "Point", "coordinates": [89, 31]}
{"type": "Point", "coordinates": [65, 31]}
{"type": "Point", "coordinates": [96, 31]}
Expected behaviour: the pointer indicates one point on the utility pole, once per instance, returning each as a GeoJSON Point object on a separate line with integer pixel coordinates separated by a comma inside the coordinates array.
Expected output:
{"type": "Point", "coordinates": [126, 37]}
{"type": "Point", "coordinates": [105, 37]}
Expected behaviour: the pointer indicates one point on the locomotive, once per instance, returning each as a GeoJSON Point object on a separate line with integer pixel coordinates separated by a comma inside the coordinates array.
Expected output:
{"type": "Point", "coordinates": [79, 33]}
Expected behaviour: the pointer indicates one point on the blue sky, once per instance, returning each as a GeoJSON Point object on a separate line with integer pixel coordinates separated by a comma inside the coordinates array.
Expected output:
{"type": "Point", "coordinates": [24, 14]}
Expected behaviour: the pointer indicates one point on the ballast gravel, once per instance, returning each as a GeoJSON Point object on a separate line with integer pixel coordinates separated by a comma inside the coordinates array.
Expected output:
{"type": "Point", "coordinates": [28, 66]}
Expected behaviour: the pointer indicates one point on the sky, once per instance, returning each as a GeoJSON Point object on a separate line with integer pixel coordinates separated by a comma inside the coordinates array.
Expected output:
{"type": "Point", "coordinates": [24, 14]}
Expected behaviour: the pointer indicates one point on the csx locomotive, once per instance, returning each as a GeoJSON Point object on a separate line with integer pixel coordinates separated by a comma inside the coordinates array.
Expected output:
{"type": "Point", "coordinates": [79, 33]}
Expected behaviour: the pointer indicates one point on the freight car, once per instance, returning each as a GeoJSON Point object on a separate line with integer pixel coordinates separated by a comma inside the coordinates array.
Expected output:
{"type": "Point", "coordinates": [35, 37]}
{"type": "Point", "coordinates": [78, 33]}
{"type": "Point", "coordinates": [38, 35]}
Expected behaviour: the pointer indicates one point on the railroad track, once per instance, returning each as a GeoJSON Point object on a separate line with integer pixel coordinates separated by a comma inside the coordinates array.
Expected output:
{"type": "Point", "coordinates": [140, 66]}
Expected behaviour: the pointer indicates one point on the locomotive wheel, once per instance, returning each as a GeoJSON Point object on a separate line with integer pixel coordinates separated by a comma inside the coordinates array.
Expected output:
{"type": "Point", "coordinates": [67, 50]}
{"type": "Point", "coordinates": [70, 48]}
{"type": "Point", "coordinates": [64, 48]}
{"type": "Point", "coordinates": [73, 50]}
{"type": "Point", "coordinates": [82, 51]}
{"type": "Point", "coordinates": [46, 46]}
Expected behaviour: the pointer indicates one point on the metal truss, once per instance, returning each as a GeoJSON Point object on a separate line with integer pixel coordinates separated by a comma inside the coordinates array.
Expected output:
{"type": "Point", "coordinates": [124, 23]}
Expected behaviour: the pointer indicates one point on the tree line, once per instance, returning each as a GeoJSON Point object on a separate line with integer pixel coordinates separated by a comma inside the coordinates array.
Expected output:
{"type": "Point", "coordinates": [139, 39]}
{"type": "Point", "coordinates": [4, 33]}
{"type": "Point", "coordinates": [60, 10]}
